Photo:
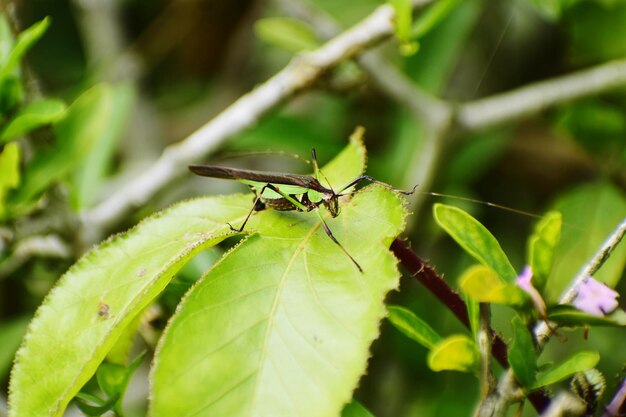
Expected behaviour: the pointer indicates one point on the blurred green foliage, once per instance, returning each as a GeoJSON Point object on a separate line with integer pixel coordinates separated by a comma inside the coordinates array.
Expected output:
{"type": "Point", "coordinates": [150, 73]}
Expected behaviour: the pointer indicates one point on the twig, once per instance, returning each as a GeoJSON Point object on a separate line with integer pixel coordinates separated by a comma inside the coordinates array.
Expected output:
{"type": "Point", "coordinates": [616, 406]}
{"type": "Point", "coordinates": [299, 74]}
{"type": "Point", "coordinates": [565, 405]}
{"type": "Point", "coordinates": [541, 330]}
{"type": "Point", "coordinates": [487, 380]}
{"type": "Point", "coordinates": [305, 69]}
{"type": "Point", "coordinates": [534, 98]}
{"type": "Point", "coordinates": [50, 246]}
{"type": "Point", "coordinates": [427, 276]}
{"type": "Point", "coordinates": [434, 114]}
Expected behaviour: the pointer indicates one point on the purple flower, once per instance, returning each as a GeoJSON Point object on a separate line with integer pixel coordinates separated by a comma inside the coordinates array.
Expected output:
{"type": "Point", "coordinates": [524, 281]}
{"type": "Point", "coordinates": [595, 298]}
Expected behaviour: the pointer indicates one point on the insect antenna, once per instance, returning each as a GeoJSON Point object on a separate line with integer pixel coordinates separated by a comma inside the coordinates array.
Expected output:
{"type": "Point", "coordinates": [375, 181]}
{"type": "Point", "coordinates": [237, 155]}
{"type": "Point", "coordinates": [317, 172]}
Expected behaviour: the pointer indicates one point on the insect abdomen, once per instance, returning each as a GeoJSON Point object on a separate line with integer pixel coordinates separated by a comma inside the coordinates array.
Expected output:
{"type": "Point", "coordinates": [280, 204]}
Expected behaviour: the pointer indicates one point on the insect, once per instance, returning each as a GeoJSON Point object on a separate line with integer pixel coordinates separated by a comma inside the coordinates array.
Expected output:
{"type": "Point", "coordinates": [286, 192]}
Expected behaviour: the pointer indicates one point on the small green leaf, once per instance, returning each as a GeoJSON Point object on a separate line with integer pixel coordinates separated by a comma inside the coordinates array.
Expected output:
{"type": "Point", "coordinates": [9, 173]}
{"type": "Point", "coordinates": [482, 284]}
{"type": "Point", "coordinates": [111, 377]}
{"type": "Point", "coordinates": [286, 33]}
{"type": "Point", "coordinates": [355, 409]}
{"type": "Point", "coordinates": [431, 17]}
{"type": "Point", "coordinates": [86, 121]}
{"type": "Point", "coordinates": [591, 212]}
{"type": "Point", "coordinates": [403, 23]}
{"type": "Point", "coordinates": [91, 171]}
{"type": "Point", "coordinates": [541, 246]}
{"type": "Point", "coordinates": [349, 164]}
{"type": "Point", "coordinates": [94, 406]}
{"type": "Point", "coordinates": [567, 315]}
{"type": "Point", "coordinates": [454, 353]}
{"type": "Point", "coordinates": [403, 18]}
{"type": "Point", "coordinates": [6, 39]}
{"type": "Point", "coordinates": [473, 313]}
{"type": "Point", "coordinates": [475, 239]}
{"type": "Point", "coordinates": [413, 327]}
{"type": "Point", "coordinates": [113, 380]}
{"type": "Point", "coordinates": [32, 116]}
{"type": "Point", "coordinates": [23, 43]}
{"type": "Point", "coordinates": [579, 362]}
{"type": "Point", "coordinates": [522, 356]}
{"type": "Point", "coordinates": [94, 302]}
{"type": "Point", "coordinates": [11, 333]}
{"type": "Point", "coordinates": [549, 9]}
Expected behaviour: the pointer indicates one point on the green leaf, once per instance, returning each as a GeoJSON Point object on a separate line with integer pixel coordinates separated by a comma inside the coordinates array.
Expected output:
{"type": "Point", "coordinates": [541, 246]}
{"type": "Point", "coordinates": [473, 314]}
{"type": "Point", "coordinates": [11, 333]}
{"type": "Point", "coordinates": [86, 122]}
{"type": "Point", "coordinates": [283, 323]}
{"type": "Point", "coordinates": [482, 284]}
{"type": "Point", "coordinates": [113, 380]}
{"type": "Point", "coordinates": [412, 326]}
{"type": "Point", "coordinates": [522, 357]}
{"type": "Point", "coordinates": [6, 39]}
{"type": "Point", "coordinates": [23, 43]}
{"type": "Point", "coordinates": [590, 214]}
{"type": "Point", "coordinates": [403, 18]}
{"type": "Point", "coordinates": [83, 316]}
{"type": "Point", "coordinates": [549, 9]}
{"type": "Point", "coordinates": [403, 23]}
{"type": "Point", "coordinates": [431, 17]}
{"type": "Point", "coordinates": [454, 353]}
{"type": "Point", "coordinates": [32, 116]}
{"type": "Point", "coordinates": [94, 406]}
{"type": "Point", "coordinates": [349, 164]}
{"type": "Point", "coordinates": [475, 239]}
{"type": "Point", "coordinates": [286, 33]}
{"type": "Point", "coordinates": [90, 174]}
{"type": "Point", "coordinates": [355, 409]}
{"type": "Point", "coordinates": [567, 315]}
{"type": "Point", "coordinates": [595, 31]}
{"type": "Point", "coordinates": [579, 362]}
{"type": "Point", "coordinates": [9, 173]}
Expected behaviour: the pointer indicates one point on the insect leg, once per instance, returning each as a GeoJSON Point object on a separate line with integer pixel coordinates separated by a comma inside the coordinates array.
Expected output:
{"type": "Point", "coordinates": [257, 199]}
{"type": "Point", "coordinates": [287, 197]}
{"type": "Point", "coordinates": [375, 181]}
{"type": "Point", "coordinates": [316, 167]}
{"type": "Point", "coordinates": [332, 237]}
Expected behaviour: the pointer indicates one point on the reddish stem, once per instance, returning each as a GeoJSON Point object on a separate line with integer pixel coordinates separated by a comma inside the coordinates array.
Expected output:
{"type": "Point", "coordinates": [427, 276]}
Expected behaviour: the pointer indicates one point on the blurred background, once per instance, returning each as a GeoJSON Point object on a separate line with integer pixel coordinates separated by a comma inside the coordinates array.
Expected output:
{"type": "Point", "coordinates": [171, 66]}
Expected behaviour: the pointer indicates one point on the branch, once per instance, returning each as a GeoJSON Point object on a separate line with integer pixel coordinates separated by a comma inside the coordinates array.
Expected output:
{"type": "Point", "coordinates": [49, 246]}
{"type": "Point", "coordinates": [298, 75]}
{"type": "Point", "coordinates": [616, 406]}
{"type": "Point", "coordinates": [427, 276]}
{"type": "Point", "coordinates": [542, 331]}
{"type": "Point", "coordinates": [534, 98]}
{"type": "Point", "coordinates": [565, 405]}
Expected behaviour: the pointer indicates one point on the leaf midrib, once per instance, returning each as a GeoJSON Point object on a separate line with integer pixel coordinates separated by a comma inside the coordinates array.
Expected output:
{"type": "Point", "coordinates": [272, 315]}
